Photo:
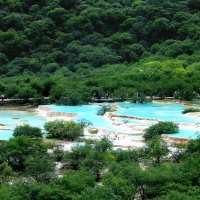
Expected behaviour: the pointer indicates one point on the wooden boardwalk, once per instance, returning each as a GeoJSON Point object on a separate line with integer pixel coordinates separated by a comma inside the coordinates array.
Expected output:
{"type": "Point", "coordinates": [101, 100]}
{"type": "Point", "coordinates": [106, 100]}
{"type": "Point", "coordinates": [96, 100]}
{"type": "Point", "coordinates": [21, 100]}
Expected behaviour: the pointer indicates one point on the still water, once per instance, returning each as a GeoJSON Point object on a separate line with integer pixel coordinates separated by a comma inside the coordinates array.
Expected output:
{"type": "Point", "coordinates": [165, 112]}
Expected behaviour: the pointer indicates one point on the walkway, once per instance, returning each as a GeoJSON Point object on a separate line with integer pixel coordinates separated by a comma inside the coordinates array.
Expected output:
{"type": "Point", "coordinates": [20, 100]}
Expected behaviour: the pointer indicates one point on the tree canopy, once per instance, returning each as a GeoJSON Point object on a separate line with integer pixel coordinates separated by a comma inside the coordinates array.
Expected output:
{"type": "Point", "coordinates": [73, 49]}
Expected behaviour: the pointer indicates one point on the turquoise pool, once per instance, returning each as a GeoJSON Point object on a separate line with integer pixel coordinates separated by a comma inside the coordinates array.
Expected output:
{"type": "Point", "coordinates": [160, 111]}
{"type": "Point", "coordinates": [11, 118]}
{"type": "Point", "coordinates": [166, 112]}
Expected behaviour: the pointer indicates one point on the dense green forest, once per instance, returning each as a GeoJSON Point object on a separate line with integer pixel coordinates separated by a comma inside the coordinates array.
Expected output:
{"type": "Point", "coordinates": [74, 48]}
{"type": "Point", "coordinates": [33, 170]}
{"type": "Point", "coordinates": [69, 50]}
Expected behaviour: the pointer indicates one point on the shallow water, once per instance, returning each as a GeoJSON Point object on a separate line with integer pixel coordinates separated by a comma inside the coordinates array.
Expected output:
{"type": "Point", "coordinates": [89, 112]}
{"type": "Point", "coordinates": [13, 118]}
{"type": "Point", "coordinates": [161, 111]}
{"type": "Point", "coordinates": [165, 112]}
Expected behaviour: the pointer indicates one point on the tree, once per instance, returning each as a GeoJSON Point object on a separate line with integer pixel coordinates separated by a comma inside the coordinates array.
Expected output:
{"type": "Point", "coordinates": [58, 15]}
{"type": "Point", "coordinates": [126, 155]}
{"type": "Point", "coordinates": [156, 149]}
{"type": "Point", "coordinates": [120, 185]}
{"type": "Point", "coordinates": [84, 122]}
{"type": "Point", "coordinates": [103, 109]}
{"type": "Point", "coordinates": [26, 92]}
{"type": "Point", "coordinates": [77, 156]}
{"type": "Point", "coordinates": [11, 90]}
{"type": "Point", "coordinates": [98, 193]}
{"type": "Point", "coordinates": [63, 129]}
{"type": "Point", "coordinates": [193, 147]}
{"type": "Point", "coordinates": [55, 128]}
{"type": "Point", "coordinates": [75, 181]}
{"type": "Point", "coordinates": [73, 99]}
{"type": "Point", "coordinates": [27, 130]}
{"type": "Point", "coordinates": [103, 145]}
{"type": "Point", "coordinates": [6, 173]}
{"type": "Point", "coordinates": [160, 128]}
{"type": "Point", "coordinates": [17, 149]}
{"type": "Point", "coordinates": [72, 130]}
{"type": "Point", "coordinates": [41, 169]}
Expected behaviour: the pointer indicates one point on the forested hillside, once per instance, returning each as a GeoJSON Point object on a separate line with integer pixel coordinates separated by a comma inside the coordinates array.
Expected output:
{"type": "Point", "coordinates": [62, 48]}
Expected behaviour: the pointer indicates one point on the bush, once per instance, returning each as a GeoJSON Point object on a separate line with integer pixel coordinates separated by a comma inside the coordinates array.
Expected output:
{"type": "Point", "coordinates": [84, 122]}
{"type": "Point", "coordinates": [187, 110]}
{"type": "Point", "coordinates": [27, 130]}
{"type": "Point", "coordinates": [140, 99]}
{"type": "Point", "coordinates": [103, 109]}
{"type": "Point", "coordinates": [160, 128]}
{"type": "Point", "coordinates": [63, 129]}
{"type": "Point", "coordinates": [93, 131]}
{"type": "Point", "coordinates": [126, 121]}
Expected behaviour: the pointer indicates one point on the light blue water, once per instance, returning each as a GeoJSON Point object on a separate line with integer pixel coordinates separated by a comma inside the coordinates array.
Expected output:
{"type": "Point", "coordinates": [88, 112]}
{"type": "Point", "coordinates": [166, 112]}
{"type": "Point", "coordinates": [21, 117]}
{"type": "Point", "coordinates": [137, 122]}
{"type": "Point", "coordinates": [13, 118]}
{"type": "Point", "coordinates": [191, 134]}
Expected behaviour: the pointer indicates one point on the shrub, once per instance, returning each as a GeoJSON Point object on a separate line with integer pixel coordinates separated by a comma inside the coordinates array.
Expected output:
{"type": "Point", "coordinates": [63, 129]}
{"type": "Point", "coordinates": [191, 109]}
{"type": "Point", "coordinates": [84, 122]}
{"type": "Point", "coordinates": [103, 109]}
{"type": "Point", "coordinates": [160, 128]}
{"type": "Point", "coordinates": [93, 131]}
{"type": "Point", "coordinates": [27, 130]}
{"type": "Point", "coordinates": [126, 121]}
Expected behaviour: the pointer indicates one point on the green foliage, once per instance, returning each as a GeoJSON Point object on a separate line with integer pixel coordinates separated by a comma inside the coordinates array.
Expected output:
{"type": "Point", "coordinates": [63, 129]}
{"type": "Point", "coordinates": [93, 131]}
{"type": "Point", "coordinates": [124, 174]}
{"type": "Point", "coordinates": [128, 155]}
{"type": "Point", "coordinates": [191, 109]}
{"type": "Point", "coordinates": [17, 149]}
{"type": "Point", "coordinates": [68, 50]}
{"type": "Point", "coordinates": [27, 130]}
{"type": "Point", "coordinates": [41, 169]}
{"type": "Point", "coordinates": [160, 128]}
{"type": "Point", "coordinates": [103, 109]}
{"type": "Point", "coordinates": [84, 122]}
{"type": "Point", "coordinates": [156, 149]}
{"type": "Point", "coordinates": [115, 47]}
{"type": "Point", "coordinates": [55, 128]}
{"type": "Point", "coordinates": [98, 193]}
{"type": "Point", "coordinates": [26, 92]}
{"type": "Point", "coordinates": [6, 173]}
{"type": "Point", "coordinates": [71, 100]}
{"type": "Point", "coordinates": [193, 146]}
{"type": "Point", "coordinates": [104, 145]}
{"type": "Point", "coordinates": [11, 90]}
{"type": "Point", "coordinates": [73, 130]}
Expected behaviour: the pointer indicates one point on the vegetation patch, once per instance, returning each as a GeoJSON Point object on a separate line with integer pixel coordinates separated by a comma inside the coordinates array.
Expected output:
{"type": "Point", "coordinates": [84, 122]}
{"type": "Point", "coordinates": [160, 128]}
{"type": "Point", "coordinates": [103, 109]}
{"type": "Point", "coordinates": [93, 131]}
{"type": "Point", "coordinates": [125, 121]}
{"type": "Point", "coordinates": [190, 109]}
{"type": "Point", "coordinates": [27, 130]}
{"type": "Point", "coordinates": [63, 129]}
